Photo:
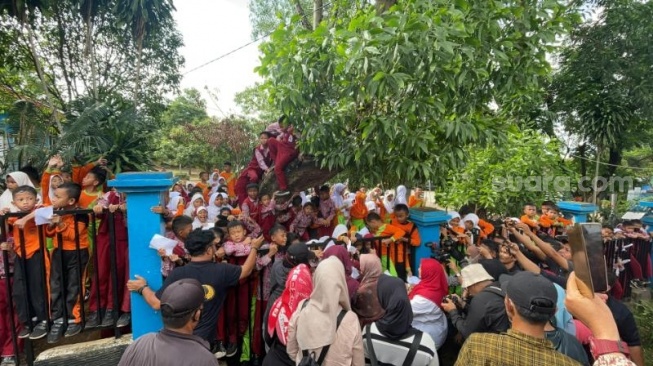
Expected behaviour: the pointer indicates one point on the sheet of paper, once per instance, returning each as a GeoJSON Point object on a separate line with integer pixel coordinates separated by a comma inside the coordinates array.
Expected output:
{"type": "Point", "coordinates": [161, 242]}
{"type": "Point", "coordinates": [43, 215]}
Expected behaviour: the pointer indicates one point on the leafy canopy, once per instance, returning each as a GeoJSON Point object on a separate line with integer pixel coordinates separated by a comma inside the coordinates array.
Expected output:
{"type": "Point", "coordinates": [502, 178]}
{"type": "Point", "coordinates": [402, 94]}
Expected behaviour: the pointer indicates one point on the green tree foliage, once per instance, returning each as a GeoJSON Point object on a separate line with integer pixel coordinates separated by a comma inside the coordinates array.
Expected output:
{"type": "Point", "coordinates": [502, 178]}
{"type": "Point", "coordinates": [604, 89]}
{"type": "Point", "coordinates": [86, 60]}
{"type": "Point", "coordinates": [405, 92]}
{"type": "Point", "coordinates": [187, 107]}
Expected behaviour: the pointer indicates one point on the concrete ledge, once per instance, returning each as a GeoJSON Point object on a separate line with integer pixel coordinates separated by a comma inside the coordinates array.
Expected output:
{"type": "Point", "coordinates": [103, 352]}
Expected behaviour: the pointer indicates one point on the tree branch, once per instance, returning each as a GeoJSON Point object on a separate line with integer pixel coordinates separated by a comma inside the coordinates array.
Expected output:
{"type": "Point", "coordinates": [302, 14]}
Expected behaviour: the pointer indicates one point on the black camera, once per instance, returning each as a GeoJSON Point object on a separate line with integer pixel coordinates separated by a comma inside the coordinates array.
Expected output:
{"type": "Point", "coordinates": [455, 300]}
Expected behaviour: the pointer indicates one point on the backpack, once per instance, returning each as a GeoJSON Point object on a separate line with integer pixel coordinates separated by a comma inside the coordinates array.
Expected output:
{"type": "Point", "coordinates": [410, 356]}
{"type": "Point", "coordinates": [309, 359]}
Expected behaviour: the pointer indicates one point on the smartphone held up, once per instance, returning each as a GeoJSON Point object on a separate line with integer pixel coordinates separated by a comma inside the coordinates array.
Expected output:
{"type": "Point", "coordinates": [589, 259]}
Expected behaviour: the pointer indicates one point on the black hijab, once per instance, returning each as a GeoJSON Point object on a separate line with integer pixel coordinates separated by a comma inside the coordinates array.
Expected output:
{"type": "Point", "coordinates": [396, 323]}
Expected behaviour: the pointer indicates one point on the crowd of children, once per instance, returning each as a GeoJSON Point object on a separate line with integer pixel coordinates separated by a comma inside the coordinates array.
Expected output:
{"type": "Point", "coordinates": [50, 277]}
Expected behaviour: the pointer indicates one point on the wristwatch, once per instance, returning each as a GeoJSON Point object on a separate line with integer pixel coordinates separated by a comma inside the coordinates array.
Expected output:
{"type": "Point", "coordinates": [600, 347]}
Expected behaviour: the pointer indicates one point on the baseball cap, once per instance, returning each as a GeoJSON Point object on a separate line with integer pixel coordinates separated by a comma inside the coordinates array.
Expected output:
{"type": "Point", "coordinates": [473, 274]}
{"type": "Point", "coordinates": [531, 292]}
{"type": "Point", "coordinates": [299, 253]}
{"type": "Point", "coordinates": [182, 297]}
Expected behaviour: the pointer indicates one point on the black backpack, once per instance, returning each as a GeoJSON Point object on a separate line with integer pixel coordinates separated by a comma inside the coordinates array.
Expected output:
{"type": "Point", "coordinates": [309, 359]}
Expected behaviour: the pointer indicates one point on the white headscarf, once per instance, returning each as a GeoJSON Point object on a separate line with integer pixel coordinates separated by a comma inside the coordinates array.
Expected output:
{"type": "Point", "coordinates": [6, 198]}
{"type": "Point", "coordinates": [371, 206]}
{"type": "Point", "coordinates": [469, 217]}
{"type": "Point", "coordinates": [389, 204]}
{"type": "Point", "coordinates": [198, 224]}
{"type": "Point", "coordinates": [336, 197]}
{"type": "Point", "coordinates": [316, 323]}
{"type": "Point", "coordinates": [50, 190]}
{"type": "Point", "coordinates": [401, 197]}
{"type": "Point", "coordinates": [190, 209]}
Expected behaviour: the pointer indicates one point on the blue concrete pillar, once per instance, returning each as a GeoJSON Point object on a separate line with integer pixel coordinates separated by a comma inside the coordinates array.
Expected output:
{"type": "Point", "coordinates": [143, 190]}
{"type": "Point", "coordinates": [428, 221]}
{"type": "Point", "coordinates": [579, 210]}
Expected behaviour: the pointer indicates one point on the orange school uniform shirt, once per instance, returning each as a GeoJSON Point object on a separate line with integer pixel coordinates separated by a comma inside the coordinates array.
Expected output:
{"type": "Point", "coordinates": [205, 190]}
{"type": "Point", "coordinates": [86, 199]}
{"type": "Point", "coordinates": [230, 178]}
{"type": "Point", "coordinates": [415, 202]}
{"type": "Point", "coordinates": [31, 236]}
{"type": "Point", "coordinates": [396, 249]}
{"type": "Point", "coordinates": [531, 222]}
{"type": "Point", "coordinates": [486, 228]}
{"type": "Point", "coordinates": [67, 231]}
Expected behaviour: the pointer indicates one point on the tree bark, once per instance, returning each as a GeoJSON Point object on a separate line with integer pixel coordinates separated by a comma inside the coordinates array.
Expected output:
{"type": "Point", "coordinates": [300, 176]}
{"type": "Point", "coordinates": [317, 13]}
{"type": "Point", "coordinates": [302, 15]}
{"type": "Point", "coordinates": [383, 5]}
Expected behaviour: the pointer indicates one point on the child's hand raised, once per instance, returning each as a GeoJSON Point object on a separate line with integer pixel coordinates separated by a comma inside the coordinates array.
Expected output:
{"type": "Point", "coordinates": [6, 246]}
{"type": "Point", "coordinates": [101, 161]}
{"type": "Point", "coordinates": [158, 209]}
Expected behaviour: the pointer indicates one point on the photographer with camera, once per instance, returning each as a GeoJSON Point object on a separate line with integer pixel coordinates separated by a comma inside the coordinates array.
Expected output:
{"type": "Point", "coordinates": [482, 309]}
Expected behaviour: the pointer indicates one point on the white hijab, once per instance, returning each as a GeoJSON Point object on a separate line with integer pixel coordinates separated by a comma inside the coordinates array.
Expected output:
{"type": "Point", "coordinates": [190, 209]}
{"type": "Point", "coordinates": [401, 197]}
{"type": "Point", "coordinates": [336, 197]}
{"type": "Point", "coordinates": [6, 198]}
{"type": "Point", "coordinates": [469, 217]}
{"type": "Point", "coordinates": [389, 204]}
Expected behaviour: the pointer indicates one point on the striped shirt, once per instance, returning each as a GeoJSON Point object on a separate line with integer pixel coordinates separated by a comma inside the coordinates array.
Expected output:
{"type": "Point", "coordinates": [394, 352]}
{"type": "Point", "coordinates": [512, 348]}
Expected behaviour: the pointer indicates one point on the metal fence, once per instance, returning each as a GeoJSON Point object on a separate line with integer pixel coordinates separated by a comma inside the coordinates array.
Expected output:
{"type": "Point", "coordinates": [635, 254]}
{"type": "Point", "coordinates": [42, 278]}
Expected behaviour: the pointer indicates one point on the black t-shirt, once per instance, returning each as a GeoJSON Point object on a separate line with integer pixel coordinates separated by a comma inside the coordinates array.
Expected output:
{"type": "Point", "coordinates": [216, 278]}
{"type": "Point", "coordinates": [625, 322]}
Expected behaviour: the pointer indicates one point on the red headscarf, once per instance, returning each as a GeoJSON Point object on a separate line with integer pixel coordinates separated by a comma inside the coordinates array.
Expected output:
{"type": "Point", "coordinates": [433, 284]}
{"type": "Point", "coordinates": [299, 286]}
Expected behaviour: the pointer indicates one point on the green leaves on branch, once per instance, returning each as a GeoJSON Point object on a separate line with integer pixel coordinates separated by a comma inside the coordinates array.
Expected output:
{"type": "Point", "coordinates": [403, 94]}
{"type": "Point", "coordinates": [526, 168]}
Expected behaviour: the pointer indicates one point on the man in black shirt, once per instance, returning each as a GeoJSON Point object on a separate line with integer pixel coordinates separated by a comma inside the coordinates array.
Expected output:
{"type": "Point", "coordinates": [181, 308]}
{"type": "Point", "coordinates": [485, 310]}
{"type": "Point", "coordinates": [214, 277]}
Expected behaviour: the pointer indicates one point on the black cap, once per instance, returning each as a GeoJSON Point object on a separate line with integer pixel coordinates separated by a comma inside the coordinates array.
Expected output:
{"type": "Point", "coordinates": [531, 292]}
{"type": "Point", "coordinates": [182, 297]}
{"type": "Point", "coordinates": [494, 267]}
{"type": "Point", "coordinates": [299, 253]}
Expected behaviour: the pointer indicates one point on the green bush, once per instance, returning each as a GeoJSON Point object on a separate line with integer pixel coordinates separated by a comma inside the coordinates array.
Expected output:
{"type": "Point", "coordinates": [643, 312]}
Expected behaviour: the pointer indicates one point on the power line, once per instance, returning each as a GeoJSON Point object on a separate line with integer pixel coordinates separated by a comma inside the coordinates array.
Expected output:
{"type": "Point", "coordinates": [241, 47]}
{"type": "Point", "coordinates": [608, 164]}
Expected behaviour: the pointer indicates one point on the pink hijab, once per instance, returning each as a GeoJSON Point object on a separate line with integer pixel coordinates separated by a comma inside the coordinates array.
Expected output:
{"type": "Point", "coordinates": [299, 286]}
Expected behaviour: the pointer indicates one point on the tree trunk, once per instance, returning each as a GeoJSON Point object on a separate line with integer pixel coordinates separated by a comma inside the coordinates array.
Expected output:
{"type": "Point", "coordinates": [90, 52]}
{"type": "Point", "coordinates": [318, 12]}
{"type": "Point", "coordinates": [300, 176]}
{"type": "Point", "coordinates": [383, 5]}
{"type": "Point", "coordinates": [302, 15]}
{"type": "Point", "coordinates": [41, 74]}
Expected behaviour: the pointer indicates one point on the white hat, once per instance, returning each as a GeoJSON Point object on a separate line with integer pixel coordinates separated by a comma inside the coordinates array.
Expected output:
{"type": "Point", "coordinates": [473, 274]}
